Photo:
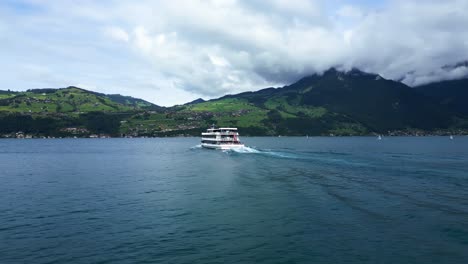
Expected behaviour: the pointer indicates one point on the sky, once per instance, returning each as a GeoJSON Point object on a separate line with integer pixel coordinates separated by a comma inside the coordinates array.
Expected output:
{"type": "Point", "coordinates": [172, 52]}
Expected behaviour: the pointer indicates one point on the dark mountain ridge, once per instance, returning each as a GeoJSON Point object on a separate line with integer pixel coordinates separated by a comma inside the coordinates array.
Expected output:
{"type": "Point", "coordinates": [365, 98]}
{"type": "Point", "coordinates": [452, 94]}
{"type": "Point", "coordinates": [196, 101]}
{"type": "Point", "coordinates": [332, 103]}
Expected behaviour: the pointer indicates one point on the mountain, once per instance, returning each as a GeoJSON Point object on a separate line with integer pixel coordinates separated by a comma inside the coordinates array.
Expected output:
{"type": "Point", "coordinates": [332, 103]}
{"type": "Point", "coordinates": [131, 101]}
{"type": "Point", "coordinates": [452, 94]}
{"type": "Point", "coordinates": [351, 103]}
{"type": "Point", "coordinates": [66, 112]}
{"type": "Point", "coordinates": [68, 100]}
{"type": "Point", "coordinates": [196, 101]}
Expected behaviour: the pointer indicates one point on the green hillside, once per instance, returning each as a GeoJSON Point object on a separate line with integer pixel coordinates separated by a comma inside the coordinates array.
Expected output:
{"type": "Point", "coordinates": [67, 100]}
{"type": "Point", "coordinates": [69, 111]}
{"type": "Point", "coordinates": [335, 103]}
{"type": "Point", "coordinates": [338, 103]}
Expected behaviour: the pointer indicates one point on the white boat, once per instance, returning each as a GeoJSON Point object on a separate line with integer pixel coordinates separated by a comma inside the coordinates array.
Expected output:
{"type": "Point", "coordinates": [221, 138]}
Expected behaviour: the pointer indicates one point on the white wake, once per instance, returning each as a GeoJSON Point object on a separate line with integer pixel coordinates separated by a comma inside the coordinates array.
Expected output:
{"type": "Point", "coordinates": [245, 150]}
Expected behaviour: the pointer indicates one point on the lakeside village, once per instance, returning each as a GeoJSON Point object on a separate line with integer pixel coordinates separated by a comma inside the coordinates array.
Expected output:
{"type": "Point", "coordinates": [180, 124]}
{"type": "Point", "coordinates": [84, 133]}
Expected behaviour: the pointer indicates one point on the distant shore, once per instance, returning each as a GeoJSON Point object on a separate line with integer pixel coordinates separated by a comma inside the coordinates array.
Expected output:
{"type": "Point", "coordinates": [94, 136]}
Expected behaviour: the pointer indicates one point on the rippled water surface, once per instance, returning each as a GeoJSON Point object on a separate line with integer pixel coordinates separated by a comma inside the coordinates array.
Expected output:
{"type": "Point", "coordinates": [284, 200]}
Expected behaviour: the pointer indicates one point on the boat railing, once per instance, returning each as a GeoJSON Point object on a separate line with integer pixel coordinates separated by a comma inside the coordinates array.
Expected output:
{"type": "Point", "coordinates": [220, 133]}
{"type": "Point", "coordinates": [220, 139]}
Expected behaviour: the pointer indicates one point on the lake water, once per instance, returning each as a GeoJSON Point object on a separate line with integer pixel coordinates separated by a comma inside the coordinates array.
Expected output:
{"type": "Point", "coordinates": [285, 200]}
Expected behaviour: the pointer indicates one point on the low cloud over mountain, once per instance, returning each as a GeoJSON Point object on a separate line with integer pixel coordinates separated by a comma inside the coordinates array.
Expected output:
{"type": "Point", "coordinates": [175, 51]}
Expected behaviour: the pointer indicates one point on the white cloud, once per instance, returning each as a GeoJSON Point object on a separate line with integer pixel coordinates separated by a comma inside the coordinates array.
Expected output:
{"type": "Point", "coordinates": [299, 7]}
{"type": "Point", "coordinates": [173, 51]}
{"type": "Point", "coordinates": [218, 61]}
{"type": "Point", "coordinates": [142, 40]}
{"type": "Point", "coordinates": [438, 75]}
{"type": "Point", "coordinates": [117, 33]}
{"type": "Point", "coordinates": [349, 11]}
{"type": "Point", "coordinates": [411, 38]}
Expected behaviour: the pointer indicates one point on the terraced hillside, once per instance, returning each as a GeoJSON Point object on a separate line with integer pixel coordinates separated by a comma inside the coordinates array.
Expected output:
{"type": "Point", "coordinates": [334, 103]}
{"type": "Point", "coordinates": [69, 111]}
{"type": "Point", "coordinates": [67, 100]}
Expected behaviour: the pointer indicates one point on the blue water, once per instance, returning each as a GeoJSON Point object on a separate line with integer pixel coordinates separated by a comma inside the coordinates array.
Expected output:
{"type": "Point", "coordinates": [285, 200]}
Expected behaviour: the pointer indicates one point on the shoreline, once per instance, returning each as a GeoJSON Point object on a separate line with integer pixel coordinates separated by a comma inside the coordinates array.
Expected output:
{"type": "Point", "coordinates": [293, 136]}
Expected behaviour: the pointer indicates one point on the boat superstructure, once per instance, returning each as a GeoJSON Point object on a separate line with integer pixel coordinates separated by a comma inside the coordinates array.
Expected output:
{"type": "Point", "coordinates": [221, 138]}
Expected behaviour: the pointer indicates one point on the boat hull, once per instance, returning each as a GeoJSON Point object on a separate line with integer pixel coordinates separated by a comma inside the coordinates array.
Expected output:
{"type": "Point", "coordinates": [222, 146]}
